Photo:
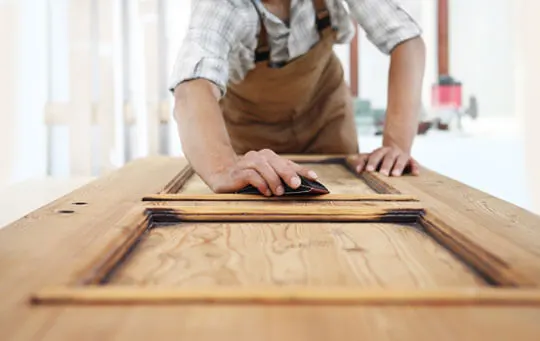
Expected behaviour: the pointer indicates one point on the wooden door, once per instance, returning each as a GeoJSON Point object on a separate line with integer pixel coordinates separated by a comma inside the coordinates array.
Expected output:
{"type": "Point", "coordinates": [151, 242]}
{"type": "Point", "coordinates": [365, 241]}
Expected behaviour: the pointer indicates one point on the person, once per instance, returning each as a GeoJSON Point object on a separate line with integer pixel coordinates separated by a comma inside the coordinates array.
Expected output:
{"type": "Point", "coordinates": [256, 80]}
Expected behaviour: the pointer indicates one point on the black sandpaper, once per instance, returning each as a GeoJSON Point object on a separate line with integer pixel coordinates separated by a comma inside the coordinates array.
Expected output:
{"type": "Point", "coordinates": [307, 187]}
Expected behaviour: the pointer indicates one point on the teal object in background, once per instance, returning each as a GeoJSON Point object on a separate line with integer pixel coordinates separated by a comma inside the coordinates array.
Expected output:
{"type": "Point", "coordinates": [362, 107]}
{"type": "Point", "coordinates": [366, 117]}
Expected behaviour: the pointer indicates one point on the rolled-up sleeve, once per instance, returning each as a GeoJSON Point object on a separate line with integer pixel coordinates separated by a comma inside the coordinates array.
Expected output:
{"type": "Point", "coordinates": [205, 49]}
{"type": "Point", "coordinates": [386, 22]}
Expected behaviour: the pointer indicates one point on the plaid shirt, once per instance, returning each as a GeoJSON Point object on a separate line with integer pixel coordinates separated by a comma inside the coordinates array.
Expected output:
{"type": "Point", "coordinates": [222, 36]}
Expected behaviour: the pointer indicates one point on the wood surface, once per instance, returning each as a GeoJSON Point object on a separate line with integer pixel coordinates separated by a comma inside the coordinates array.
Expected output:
{"type": "Point", "coordinates": [336, 177]}
{"type": "Point", "coordinates": [127, 233]}
{"type": "Point", "coordinates": [397, 205]}
{"type": "Point", "coordinates": [501, 238]}
{"type": "Point", "coordinates": [48, 249]}
{"type": "Point", "coordinates": [179, 180]}
{"type": "Point", "coordinates": [252, 197]}
{"type": "Point", "coordinates": [363, 255]}
{"type": "Point", "coordinates": [104, 295]}
{"type": "Point", "coordinates": [374, 211]}
{"type": "Point", "coordinates": [297, 322]}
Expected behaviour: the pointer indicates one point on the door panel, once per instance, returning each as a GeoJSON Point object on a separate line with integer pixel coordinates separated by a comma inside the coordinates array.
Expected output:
{"type": "Point", "coordinates": [336, 177]}
{"type": "Point", "coordinates": [365, 243]}
{"type": "Point", "coordinates": [362, 255]}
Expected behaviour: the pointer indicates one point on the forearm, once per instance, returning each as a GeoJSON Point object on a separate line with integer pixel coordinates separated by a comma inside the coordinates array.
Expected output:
{"type": "Point", "coordinates": [404, 94]}
{"type": "Point", "coordinates": [205, 141]}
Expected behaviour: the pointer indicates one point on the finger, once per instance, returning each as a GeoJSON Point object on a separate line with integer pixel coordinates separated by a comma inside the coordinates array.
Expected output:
{"type": "Point", "coordinates": [388, 163]}
{"type": "Point", "coordinates": [360, 163]}
{"type": "Point", "coordinates": [415, 167]}
{"type": "Point", "coordinates": [304, 171]}
{"type": "Point", "coordinates": [357, 162]}
{"type": "Point", "coordinates": [375, 159]}
{"type": "Point", "coordinates": [400, 165]}
{"type": "Point", "coordinates": [286, 169]}
{"type": "Point", "coordinates": [252, 177]}
{"type": "Point", "coordinates": [260, 164]}
{"type": "Point", "coordinates": [289, 171]}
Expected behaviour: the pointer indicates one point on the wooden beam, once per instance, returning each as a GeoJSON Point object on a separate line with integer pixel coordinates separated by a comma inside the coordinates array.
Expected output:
{"type": "Point", "coordinates": [250, 197]}
{"type": "Point", "coordinates": [102, 295]}
{"type": "Point", "coordinates": [353, 69]}
{"type": "Point", "coordinates": [442, 35]}
{"type": "Point", "coordinates": [381, 211]}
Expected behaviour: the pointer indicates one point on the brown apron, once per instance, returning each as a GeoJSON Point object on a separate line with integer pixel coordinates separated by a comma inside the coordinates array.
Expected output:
{"type": "Point", "coordinates": [304, 106]}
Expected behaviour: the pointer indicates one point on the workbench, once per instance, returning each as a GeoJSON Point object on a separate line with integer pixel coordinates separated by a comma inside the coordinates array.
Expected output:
{"type": "Point", "coordinates": [149, 252]}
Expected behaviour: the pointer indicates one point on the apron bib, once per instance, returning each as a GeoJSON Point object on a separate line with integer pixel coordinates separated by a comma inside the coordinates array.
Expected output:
{"type": "Point", "coordinates": [303, 107]}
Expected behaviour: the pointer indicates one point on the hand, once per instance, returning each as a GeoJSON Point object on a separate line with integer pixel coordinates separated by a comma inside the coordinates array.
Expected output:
{"type": "Point", "coordinates": [264, 170]}
{"type": "Point", "coordinates": [387, 160]}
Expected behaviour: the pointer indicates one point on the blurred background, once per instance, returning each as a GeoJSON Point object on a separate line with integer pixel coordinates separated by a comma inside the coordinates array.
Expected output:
{"type": "Point", "coordinates": [84, 90]}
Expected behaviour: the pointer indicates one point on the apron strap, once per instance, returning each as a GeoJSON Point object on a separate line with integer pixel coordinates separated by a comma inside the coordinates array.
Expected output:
{"type": "Point", "coordinates": [322, 14]}
{"type": "Point", "coordinates": [262, 52]}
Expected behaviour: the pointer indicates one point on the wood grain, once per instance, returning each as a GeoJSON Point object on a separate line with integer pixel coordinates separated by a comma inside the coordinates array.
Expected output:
{"type": "Point", "coordinates": [250, 197]}
{"type": "Point", "coordinates": [127, 232]}
{"type": "Point", "coordinates": [194, 185]}
{"type": "Point", "coordinates": [105, 295]}
{"type": "Point", "coordinates": [179, 180]}
{"type": "Point", "coordinates": [335, 176]}
{"type": "Point", "coordinates": [378, 183]}
{"type": "Point", "coordinates": [47, 248]}
{"type": "Point", "coordinates": [291, 322]}
{"type": "Point", "coordinates": [339, 180]}
{"type": "Point", "coordinates": [366, 255]}
{"type": "Point", "coordinates": [375, 211]}
{"type": "Point", "coordinates": [280, 203]}
{"type": "Point", "coordinates": [499, 238]}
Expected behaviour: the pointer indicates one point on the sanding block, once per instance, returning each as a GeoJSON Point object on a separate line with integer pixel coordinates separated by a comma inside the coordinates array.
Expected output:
{"type": "Point", "coordinates": [307, 187]}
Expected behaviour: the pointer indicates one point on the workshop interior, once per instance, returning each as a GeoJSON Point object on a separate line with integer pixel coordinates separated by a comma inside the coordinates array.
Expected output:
{"type": "Point", "coordinates": [128, 213]}
{"type": "Point", "coordinates": [84, 92]}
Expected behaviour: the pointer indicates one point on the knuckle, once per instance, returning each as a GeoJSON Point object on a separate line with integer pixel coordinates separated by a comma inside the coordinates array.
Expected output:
{"type": "Point", "coordinates": [290, 164]}
{"type": "Point", "coordinates": [251, 153]}
{"type": "Point", "coordinates": [302, 170]}
{"type": "Point", "coordinates": [250, 164]}
{"type": "Point", "coordinates": [254, 178]}
{"type": "Point", "coordinates": [267, 152]}
{"type": "Point", "coordinates": [235, 173]}
{"type": "Point", "coordinates": [259, 163]}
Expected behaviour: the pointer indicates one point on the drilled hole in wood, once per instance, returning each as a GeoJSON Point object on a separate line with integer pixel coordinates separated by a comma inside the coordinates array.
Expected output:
{"type": "Point", "coordinates": [80, 203]}
{"type": "Point", "coordinates": [66, 211]}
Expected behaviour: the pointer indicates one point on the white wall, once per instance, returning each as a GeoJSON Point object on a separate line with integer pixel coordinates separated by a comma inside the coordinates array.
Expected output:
{"type": "Point", "coordinates": [481, 54]}
{"type": "Point", "coordinates": [178, 14]}
{"type": "Point", "coordinates": [23, 91]}
{"type": "Point", "coordinates": [374, 65]}
{"type": "Point", "coordinates": [482, 47]}
{"type": "Point", "coordinates": [31, 90]}
{"type": "Point", "coordinates": [526, 28]}
{"type": "Point", "coordinates": [8, 41]}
